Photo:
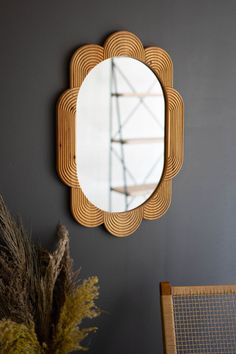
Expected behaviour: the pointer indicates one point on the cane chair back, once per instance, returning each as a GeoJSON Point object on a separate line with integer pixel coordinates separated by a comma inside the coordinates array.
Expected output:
{"type": "Point", "coordinates": [198, 319]}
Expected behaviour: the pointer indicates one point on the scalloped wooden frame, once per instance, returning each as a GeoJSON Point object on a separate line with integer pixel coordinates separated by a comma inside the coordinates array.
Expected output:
{"type": "Point", "coordinates": [121, 43]}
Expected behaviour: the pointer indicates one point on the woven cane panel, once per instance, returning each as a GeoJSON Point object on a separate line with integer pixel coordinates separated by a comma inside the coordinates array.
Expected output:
{"type": "Point", "coordinates": [205, 323]}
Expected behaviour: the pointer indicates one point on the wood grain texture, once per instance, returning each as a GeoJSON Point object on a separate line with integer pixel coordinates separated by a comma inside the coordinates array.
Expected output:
{"type": "Point", "coordinates": [66, 164]}
{"type": "Point", "coordinates": [124, 43]}
{"type": "Point", "coordinates": [168, 324]}
{"type": "Point", "coordinates": [203, 290]}
{"type": "Point", "coordinates": [160, 62]}
{"type": "Point", "coordinates": [175, 134]}
{"type": "Point", "coordinates": [159, 202]}
{"type": "Point", "coordinates": [123, 224]}
{"type": "Point", "coordinates": [83, 60]}
{"type": "Point", "coordinates": [121, 43]}
{"type": "Point", "coordinates": [83, 211]}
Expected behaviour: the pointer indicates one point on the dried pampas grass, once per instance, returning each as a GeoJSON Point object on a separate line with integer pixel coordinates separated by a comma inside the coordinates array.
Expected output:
{"type": "Point", "coordinates": [42, 304]}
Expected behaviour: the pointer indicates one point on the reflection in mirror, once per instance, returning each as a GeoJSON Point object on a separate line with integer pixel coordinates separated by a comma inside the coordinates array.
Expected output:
{"type": "Point", "coordinates": [120, 126]}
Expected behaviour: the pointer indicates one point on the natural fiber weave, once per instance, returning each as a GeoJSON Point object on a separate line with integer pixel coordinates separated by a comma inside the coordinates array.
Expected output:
{"type": "Point", "coordinates": [205, 323]}
{"type": "Point", "coordinates": [204, 320]}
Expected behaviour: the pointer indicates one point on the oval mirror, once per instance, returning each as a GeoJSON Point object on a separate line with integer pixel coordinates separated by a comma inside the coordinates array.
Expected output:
{"type": "Point", "coordinates": [120, 133]}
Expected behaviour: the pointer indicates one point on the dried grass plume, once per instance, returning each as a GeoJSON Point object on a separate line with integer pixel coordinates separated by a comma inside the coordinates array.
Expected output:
{"type": "Point", "coordinates": [42, 303]}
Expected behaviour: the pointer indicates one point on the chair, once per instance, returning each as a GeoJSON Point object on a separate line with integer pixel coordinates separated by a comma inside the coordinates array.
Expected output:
{"type": "Point", "coordinates": [198, 319]}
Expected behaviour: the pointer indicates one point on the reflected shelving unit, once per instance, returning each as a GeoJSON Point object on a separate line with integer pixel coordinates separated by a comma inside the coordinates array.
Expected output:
{"type": "Point", "coordinates": [130, 188]}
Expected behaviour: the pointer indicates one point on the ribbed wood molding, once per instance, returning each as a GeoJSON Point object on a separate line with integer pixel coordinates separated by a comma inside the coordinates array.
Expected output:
{"type": "Point", "coordinates": [121, 43]}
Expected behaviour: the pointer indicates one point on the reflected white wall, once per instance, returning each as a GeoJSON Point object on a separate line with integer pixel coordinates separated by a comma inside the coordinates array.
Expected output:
{"type": "Point", "coordinates": [93, 131]}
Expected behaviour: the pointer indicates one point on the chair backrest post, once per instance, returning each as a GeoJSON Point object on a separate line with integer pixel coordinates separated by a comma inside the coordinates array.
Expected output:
{"type": "Point", "coordinates": [167, 319]}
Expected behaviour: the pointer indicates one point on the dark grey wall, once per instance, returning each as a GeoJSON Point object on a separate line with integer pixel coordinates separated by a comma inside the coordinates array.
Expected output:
{"type": "Point", "coordinates": [194, 243]}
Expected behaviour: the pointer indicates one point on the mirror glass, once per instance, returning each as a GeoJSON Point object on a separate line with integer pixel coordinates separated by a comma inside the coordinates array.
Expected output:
{"type": "Point", "coordinates": [120, 127]}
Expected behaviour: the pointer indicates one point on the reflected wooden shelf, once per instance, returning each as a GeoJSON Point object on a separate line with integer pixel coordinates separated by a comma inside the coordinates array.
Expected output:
{"type": "Point", "coordinates": [134, 191]}
{"type": "Point", "coordinates": [132, 94]}
{"type": "Point", "coordinates": [138, 140]}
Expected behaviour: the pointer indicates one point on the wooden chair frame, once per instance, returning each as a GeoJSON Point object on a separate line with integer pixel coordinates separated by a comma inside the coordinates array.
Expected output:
{"type": "Point", "coordinates": [167, 292]}
{"type": "Point", "coordinates": [121, 43]}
